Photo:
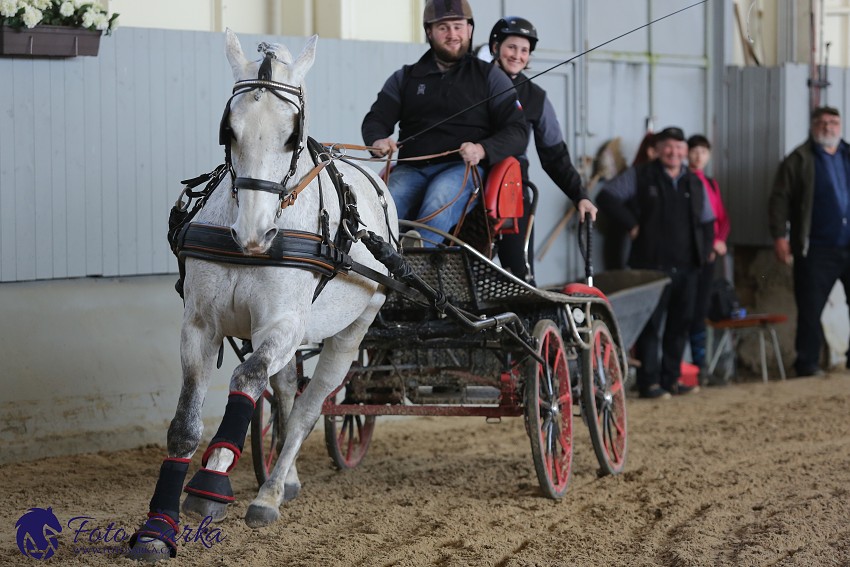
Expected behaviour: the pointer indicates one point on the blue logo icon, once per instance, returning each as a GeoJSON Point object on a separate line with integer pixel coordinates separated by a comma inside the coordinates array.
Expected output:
{"type": "Point", "coordinates": [38, 533]}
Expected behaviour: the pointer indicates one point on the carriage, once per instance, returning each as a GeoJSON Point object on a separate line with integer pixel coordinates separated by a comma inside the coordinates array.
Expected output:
{"type": "Point", "coordinates": [497, 348]}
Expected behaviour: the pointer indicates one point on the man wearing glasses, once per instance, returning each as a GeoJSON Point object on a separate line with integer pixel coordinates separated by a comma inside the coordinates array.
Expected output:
{"type": "Point", "coordinates": [810, 224]}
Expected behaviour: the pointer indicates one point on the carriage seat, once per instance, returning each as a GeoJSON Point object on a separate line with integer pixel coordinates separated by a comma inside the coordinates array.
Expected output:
{"type": "Point", "coordinates": [503, 192]}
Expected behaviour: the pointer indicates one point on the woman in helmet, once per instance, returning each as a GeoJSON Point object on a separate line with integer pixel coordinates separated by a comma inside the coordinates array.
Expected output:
{"type": "Point", "coordinates": [512, 40]}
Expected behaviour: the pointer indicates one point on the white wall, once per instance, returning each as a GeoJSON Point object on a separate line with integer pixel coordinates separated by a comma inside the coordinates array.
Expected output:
{"type": "Point", "coordinates": [93, 364]}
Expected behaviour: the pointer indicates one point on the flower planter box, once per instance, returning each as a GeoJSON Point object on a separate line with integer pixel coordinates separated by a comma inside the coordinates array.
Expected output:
{"type": "Point", "coordinates": [48, 41]}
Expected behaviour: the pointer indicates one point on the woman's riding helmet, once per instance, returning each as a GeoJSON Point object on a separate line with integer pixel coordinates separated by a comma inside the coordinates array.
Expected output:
{"type": "Point", "coordinates": [513, 25]}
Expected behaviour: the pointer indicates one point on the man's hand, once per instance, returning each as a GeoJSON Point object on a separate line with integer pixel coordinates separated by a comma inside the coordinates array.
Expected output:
{"type": "Point", "coordinates": [384, 146]}
{"type": "Point", "coordinates": [720, 247]}
{"type": "Point", "coordinates": [586, 206]}
{"type": "Point", "coordinates": [472, 153]}
{"type": "Point", "coordinates": [635, 230]}
{"type": "Point", "coordinates": [782, 250]}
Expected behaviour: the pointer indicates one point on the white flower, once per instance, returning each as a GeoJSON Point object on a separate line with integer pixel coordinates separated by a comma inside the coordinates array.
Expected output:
{"type": "Point", "coordinates": [101, 22]}
{"type": "Point", "coordinates": [40, 4]}
{"type": "Point", "coordinates": [113, 23]}
{"type": "Point", "coordinates": [32, 16]}
{"type": "Point", "coordinates": [67, 8]}
{"type": "Point", "coordinates": [88, 18]}
{"type": "Point", "coordinates": [8, 8]}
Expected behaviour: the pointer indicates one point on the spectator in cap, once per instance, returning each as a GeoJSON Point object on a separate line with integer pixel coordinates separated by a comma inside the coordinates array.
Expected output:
{"type": "Point", "coordinates": [668, 216]}
{"type": "Point", "coordinates": [441, 93]}
{"type": "Point", "coordinates": [699, 154]}
{"type": "Point", "coordinates": [809, 212]}
{"type": "Point", "coordinates": [512, 41]}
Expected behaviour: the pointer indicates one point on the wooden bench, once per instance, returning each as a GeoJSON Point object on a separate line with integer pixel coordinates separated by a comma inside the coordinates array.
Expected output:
{"type": "Point", "coordinates": [732, 329]}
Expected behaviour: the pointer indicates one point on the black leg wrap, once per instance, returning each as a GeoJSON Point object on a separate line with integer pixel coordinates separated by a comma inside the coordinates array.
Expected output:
{"type": "Point", "coordinates": [166, 496]}
{"type": "Point", "coordinates": [157, 527]}
{"type": "Point", "coordinates": [234, 426]}
{"type": "Point", "coordinates": [212, 485]}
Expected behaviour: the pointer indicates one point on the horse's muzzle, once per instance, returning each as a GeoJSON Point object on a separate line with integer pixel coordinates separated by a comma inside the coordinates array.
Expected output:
{"type": "Point", "coordinates": [255, 245]}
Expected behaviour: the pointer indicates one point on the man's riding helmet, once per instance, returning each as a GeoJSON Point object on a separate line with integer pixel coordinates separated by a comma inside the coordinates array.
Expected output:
{"type": "Point", "coordinates": [513, 25]}
{"type": "Point", "coordinates": [439, 10]}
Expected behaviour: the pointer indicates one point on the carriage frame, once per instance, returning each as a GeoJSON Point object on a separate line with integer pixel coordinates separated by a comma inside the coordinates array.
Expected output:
{"type": "Point", "coordinates": [504, 349]}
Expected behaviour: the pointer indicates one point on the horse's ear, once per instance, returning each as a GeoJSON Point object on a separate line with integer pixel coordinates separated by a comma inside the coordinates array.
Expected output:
{"type": "Point", "coordinates": [305, 59]}
{"type": "Point", "coordinates": [235, 55]}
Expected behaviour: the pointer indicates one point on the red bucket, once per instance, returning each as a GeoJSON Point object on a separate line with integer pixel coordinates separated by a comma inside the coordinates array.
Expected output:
{"type": "Point", "coordinates": [689, 374]}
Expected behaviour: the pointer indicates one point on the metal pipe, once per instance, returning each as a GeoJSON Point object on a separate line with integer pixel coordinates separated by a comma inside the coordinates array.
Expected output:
{"type": "Point", "coordinates": [651, 75]}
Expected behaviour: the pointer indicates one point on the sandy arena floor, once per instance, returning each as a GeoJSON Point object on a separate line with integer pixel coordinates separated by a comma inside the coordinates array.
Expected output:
{"type": "Point", "coordinates": [750, 474]}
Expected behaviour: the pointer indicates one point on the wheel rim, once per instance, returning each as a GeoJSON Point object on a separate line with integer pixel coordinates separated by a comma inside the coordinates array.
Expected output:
{"type": "Point", "coordinates": [609, 397]}
{"type": "Point", "coordinates": [347, 437]}
{"type": "Point", "coordinates": [351, 435]}
{"type": "Point", "coordinates": [549, 412]}
{"type": "Point", "coordinates": [266, 439]}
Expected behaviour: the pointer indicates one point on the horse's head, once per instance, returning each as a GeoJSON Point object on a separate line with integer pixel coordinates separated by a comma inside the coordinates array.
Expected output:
{"type": "Point", "coordinates": [264, 128]}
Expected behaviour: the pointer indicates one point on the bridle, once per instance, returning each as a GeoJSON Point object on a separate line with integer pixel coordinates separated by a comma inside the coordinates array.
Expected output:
{"type": "Point", "coordinates": [320, 252]}
{"type": "Point", "coordinates": [262, 84]}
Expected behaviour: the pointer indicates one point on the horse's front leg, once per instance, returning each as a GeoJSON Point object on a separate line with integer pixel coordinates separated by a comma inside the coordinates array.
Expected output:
{"type": "Point", "coordinates": [337, 355]}
{"type": "Point", "coordinates": [209, 490]}
{"type": "Point", "coordinates": [285, 384]}
{"type": "Point", "coordinates": [157, 536]}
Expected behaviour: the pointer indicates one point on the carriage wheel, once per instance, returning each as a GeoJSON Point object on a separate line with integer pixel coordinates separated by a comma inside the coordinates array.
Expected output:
{"type": "Point", "coordinates": [347, 437]}
{"type": "Point", "coordinates": [603, 396]}
{"type": "Point", "coordinates": [548, 411]}
{"type": "Point", "coordinates": [266, 435]}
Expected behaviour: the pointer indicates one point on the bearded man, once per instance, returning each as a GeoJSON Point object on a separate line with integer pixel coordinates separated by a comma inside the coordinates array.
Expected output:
{"type": "Point", "coordinates": [449, 102]}
{"type": "Point", "coordinates": [809, 221]}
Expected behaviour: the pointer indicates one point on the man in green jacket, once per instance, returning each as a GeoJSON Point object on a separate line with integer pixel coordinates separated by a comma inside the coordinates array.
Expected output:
{"type": "Point", "coordinates": [809, 212]}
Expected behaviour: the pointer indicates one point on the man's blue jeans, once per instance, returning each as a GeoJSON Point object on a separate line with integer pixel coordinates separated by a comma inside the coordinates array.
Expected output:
{"type": "Point", "coordinates": [419, 191]}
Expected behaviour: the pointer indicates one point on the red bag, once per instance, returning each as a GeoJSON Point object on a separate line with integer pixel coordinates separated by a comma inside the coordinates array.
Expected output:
{"type": "Point", "coordinates": [503, 196]}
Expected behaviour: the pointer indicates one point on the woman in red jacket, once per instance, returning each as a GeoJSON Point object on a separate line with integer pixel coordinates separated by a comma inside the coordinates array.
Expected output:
{"type": "Point", "coordinates": [699, 154]}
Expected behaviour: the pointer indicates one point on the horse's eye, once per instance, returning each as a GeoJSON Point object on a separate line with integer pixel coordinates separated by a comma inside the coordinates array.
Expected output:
{"type": "Point", "coordinates": [293, 139]}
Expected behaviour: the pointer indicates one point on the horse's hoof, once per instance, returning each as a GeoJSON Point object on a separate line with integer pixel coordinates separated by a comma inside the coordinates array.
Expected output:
{"type": "Point", "coordinates": [260, 516]}
{"type": "Point", "coordinates": [150, 550]}
{"type": "Point", "coordinates": [202, 507]}
{"type": "Point", "coordinates": [290, 491]}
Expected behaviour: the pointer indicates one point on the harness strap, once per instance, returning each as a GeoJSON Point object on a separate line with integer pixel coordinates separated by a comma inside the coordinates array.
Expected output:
{"type": "Point", "coordinates": [258, 185]}
{"type": "Point", "coordinates": [291, 248]}
{"type": "Point", "coordinates": [293, 195]}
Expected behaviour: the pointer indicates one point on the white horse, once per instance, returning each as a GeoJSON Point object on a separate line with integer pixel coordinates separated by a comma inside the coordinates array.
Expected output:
{"type": "Point", "coordinates": [273, 306]}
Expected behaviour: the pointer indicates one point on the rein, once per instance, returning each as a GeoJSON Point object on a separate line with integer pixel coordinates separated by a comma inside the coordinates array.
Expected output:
{"type": "Point", "coordinates": [386, 174]}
